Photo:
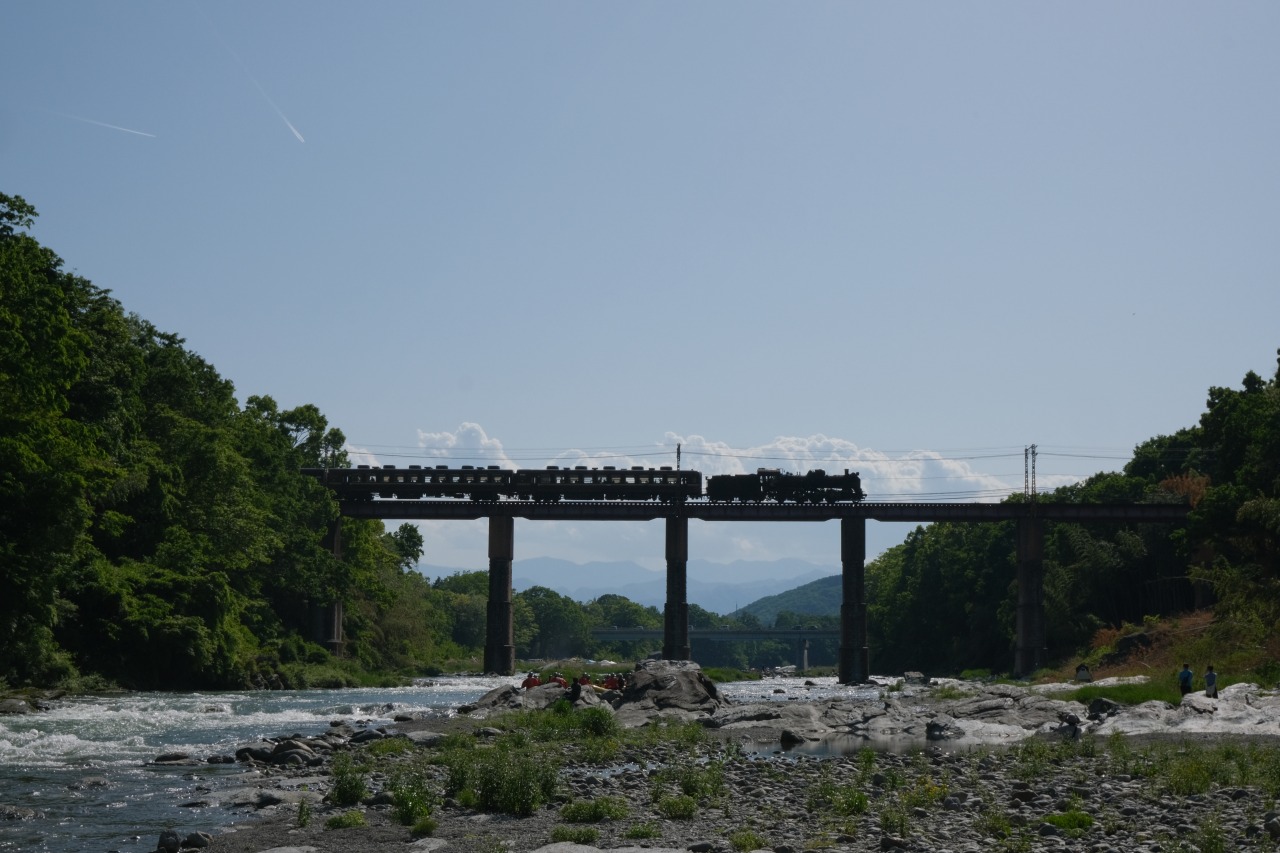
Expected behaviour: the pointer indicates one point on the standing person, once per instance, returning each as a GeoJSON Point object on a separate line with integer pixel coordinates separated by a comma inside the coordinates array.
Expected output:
{"type": "Point", "coordinates": [1211, 683]}
{"type": "Point", "coordinates": [1185, 678]}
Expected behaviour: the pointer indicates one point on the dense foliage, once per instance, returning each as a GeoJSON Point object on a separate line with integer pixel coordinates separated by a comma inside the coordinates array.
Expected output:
{"type": "Point", "coordinates": [155, 532]}
{"type": "Point", "coordinates": [945, 599]}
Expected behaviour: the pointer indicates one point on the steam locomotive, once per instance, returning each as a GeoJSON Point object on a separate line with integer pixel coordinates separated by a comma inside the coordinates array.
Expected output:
{"type": "Point", "coordinates": [772, 484]}
{"type": "Point", "coordinates": [580, 483]}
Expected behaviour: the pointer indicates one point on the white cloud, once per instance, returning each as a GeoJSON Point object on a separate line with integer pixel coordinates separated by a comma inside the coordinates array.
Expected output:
{"type": "Point", "coordinates": [469, 444]}
{"type": "Point", "coordinates": [361, 456]}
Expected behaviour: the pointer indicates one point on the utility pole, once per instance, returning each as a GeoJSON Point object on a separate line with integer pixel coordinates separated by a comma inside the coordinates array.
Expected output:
{"type": "Point", "coordinates": [1029, 473]}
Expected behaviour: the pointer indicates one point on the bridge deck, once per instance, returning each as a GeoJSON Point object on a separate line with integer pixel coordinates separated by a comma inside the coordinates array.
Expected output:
{"type": "Point", "coordinates": [704, 511]}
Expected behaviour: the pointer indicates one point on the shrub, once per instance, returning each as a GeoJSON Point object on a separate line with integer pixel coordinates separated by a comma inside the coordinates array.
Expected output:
{"type": "Point", "coordinates": [575, 834]}
{"type": "Point", "coordinates": [1073, 822]}
{"type": "Point", "coordinates": [706, 780]}
{"type": "Point", "coordinates": [1210, 837]}
{"type": "Point", "coordinates": [390, 746]}
{"type": "Point", "coordinates": [994, 823]}
{"type": "Point", "coordinates": [743, 840]}
{"type": "Point", "coordinates": [677, 808]}
{"type": "Point", "coordinates": [893, 819]}
{"type": "Point", "coordinates": [348, 781]}
{"type": "Point", "coordinates": [346, 820]}
{"type": "Point", "coordinates": [661, 731]}
{"type": "Point", "coordinates": [423, 826]}
{"type": "Point", "coordinates": [501, 779]}
{"type": "Point", "coordinates": [845, 800]}
{"type": "Point", "coordinates": [412, 797]}
{"type": "Point", "coordinates": [643, 830]}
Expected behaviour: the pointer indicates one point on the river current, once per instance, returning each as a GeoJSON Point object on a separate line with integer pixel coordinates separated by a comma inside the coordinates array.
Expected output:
{"type": "Point", "coordinates": [81, 766]}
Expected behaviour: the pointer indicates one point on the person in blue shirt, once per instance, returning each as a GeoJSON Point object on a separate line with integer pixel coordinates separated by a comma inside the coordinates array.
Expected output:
{"type": "Point", "coordinates": [1211, 683]}
{"type": "Point", "coordinates": [1185, 678]}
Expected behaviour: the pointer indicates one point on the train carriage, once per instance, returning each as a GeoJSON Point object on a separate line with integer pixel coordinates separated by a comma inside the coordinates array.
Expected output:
{"type": "Point", "coordinates": [580, 483]}
{"type": "Point", "coordinates": [493, 483]}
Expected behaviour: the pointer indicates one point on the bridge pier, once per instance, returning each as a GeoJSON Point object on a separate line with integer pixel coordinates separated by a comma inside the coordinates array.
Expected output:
{"type": "Point", "coordinates": [802, 656]}
{"type": "Point", "coordinates": [331, 619]}
{"type": "Point", "coordinates": [499, 642]}
{"type": "Point", "coordinates": [1028, 654]}
{"type": "Point", "coordinates": [675, 618]}
{"type": "Point", "coordinates": [855, 667]}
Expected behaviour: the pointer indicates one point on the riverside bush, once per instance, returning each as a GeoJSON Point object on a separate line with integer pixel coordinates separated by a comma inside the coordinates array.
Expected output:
{"type": "Point", "coordinates": [501, 779]}
{"type": "Point", "coordinates": [561, 722]}
{"type": "Point", "coordinates": [743, 840]}
{"type": "Point", "coordinates": [677, 808]}
{"type": "Point", "coordinates": [346, 820]}
{"type": "Point", "coordinates": [592, 732]}
{"type": "Point", "coordinates": [1074, 822]}
{"type": "Point", "coordinates": [649, 829]}
{"type": "Point", "coordinates": [845, 800]}
{"type": "Point", "coordinates": [698, 781]}
{"type": "Point", "coordinates": [412, 796]}
{"type": "Point", "coordinates": [389, 746]}
{"type": "Point", "coordinates": [348, 781]}
{"type": "Point", "coordinates": [893, 818]}
{"type": "Point", "coordinates": [575, 834]}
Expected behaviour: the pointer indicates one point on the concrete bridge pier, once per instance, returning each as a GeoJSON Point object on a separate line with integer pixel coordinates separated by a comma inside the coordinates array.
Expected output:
{"type": "Point", "coordinates": [855, 667]}
{"type": "Point", "coordinates": [802, 657]}
{"type": "Point", "coordinates": [330, 627]}
{"type": "Point", "coordinates": [499, 642]}
{"type": "Point", "coordinates": [1028, 655]}
{"type": "Point", "coordinates": [675, 619]}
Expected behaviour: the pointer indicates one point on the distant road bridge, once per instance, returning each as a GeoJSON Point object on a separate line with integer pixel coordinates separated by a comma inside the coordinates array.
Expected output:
{"type": "Point", "coordinates": [854, 666]}
{"type": "Point", "coordinates": [625, 634]}
{"type": "Point", "coordinates": [800, 636]}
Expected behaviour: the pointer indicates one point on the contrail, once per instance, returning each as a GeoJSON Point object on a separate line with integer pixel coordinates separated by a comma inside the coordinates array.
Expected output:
{"type": "Point", "coordinates": [103, 124]}
{"type": "Point", "coordinates": [267, 98]}
{"type": "Point", "coordinates": [249, 74]}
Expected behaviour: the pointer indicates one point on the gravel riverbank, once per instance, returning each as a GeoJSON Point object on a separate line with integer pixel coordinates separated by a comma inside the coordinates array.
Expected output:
{"type": "Point", "coordinates": [1154, 792]}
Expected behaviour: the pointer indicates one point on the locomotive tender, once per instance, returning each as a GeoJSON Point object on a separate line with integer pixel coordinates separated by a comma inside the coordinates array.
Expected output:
{"type": "Point", "coordinates": [580, 483]}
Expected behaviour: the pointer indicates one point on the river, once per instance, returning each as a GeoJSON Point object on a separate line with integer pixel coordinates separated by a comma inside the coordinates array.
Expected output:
{"type": "Point", "coordinates": [81, 766]}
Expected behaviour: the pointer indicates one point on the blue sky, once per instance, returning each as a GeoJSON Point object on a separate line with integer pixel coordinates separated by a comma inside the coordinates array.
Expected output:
{"type": "Point", "coordinates": [909, 239]}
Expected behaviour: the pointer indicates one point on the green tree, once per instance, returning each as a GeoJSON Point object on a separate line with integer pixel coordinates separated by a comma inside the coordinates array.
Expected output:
{"type": "Point", "coordinates": [46, 459]}
{"type": "Point", "coordinates": [561, 625]}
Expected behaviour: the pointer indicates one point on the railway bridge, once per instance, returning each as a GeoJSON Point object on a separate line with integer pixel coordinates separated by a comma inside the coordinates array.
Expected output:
{"type": "Point", "coordinates": [854, 666]}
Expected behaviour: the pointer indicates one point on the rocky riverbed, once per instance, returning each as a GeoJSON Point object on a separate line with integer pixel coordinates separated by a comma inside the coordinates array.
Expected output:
{"type": "Point", "coordinates": [972, 769]}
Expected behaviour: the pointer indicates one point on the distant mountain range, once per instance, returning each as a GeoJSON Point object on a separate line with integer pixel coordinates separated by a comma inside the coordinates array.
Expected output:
{"type": "Point", "coordinates": [718, 587]}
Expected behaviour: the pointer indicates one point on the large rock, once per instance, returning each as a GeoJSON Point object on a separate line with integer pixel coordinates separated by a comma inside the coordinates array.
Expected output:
{"type": "Point", "coordinates": [512, 698]}
{"type": "Point", "coordinates": [672, 689]}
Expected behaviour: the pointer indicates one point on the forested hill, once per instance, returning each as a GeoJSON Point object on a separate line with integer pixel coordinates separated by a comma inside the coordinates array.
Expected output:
{"type": "Point", "coordinates": [816, 598]}
{"type": "Point", "coordinates": [155, 531]}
